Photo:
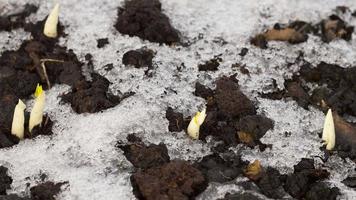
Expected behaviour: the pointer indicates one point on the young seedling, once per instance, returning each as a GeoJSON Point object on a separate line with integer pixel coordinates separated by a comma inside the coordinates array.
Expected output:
{"type": "Point", "coordinates": [50, 27]}
{"type": "Point", "coordinates": [36, 115]}
{"type": "Point", "coordinates": [18, 121]}
{"type": "Point", "coordinates": [195, 123]}
{"type": "Point", "coordinates": [329, 131]}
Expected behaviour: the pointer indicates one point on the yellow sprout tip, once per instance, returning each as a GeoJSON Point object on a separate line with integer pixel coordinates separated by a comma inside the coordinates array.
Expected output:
{"type": "Point", "coordinates": [39, 90]}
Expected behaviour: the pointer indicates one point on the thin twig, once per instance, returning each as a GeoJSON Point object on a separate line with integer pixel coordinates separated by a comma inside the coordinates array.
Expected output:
{"type": "Point", "coordinates": [51, 60]}
{"type": "Point", "coordinates": [45, 74]}
{"type": "Point", "coordinates": [43, 61]}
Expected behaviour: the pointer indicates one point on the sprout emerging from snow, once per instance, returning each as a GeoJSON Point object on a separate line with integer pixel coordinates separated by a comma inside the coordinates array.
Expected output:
{"type": "Point", "coordinates": [50, 27]}
{"type": "Point", "coordinates": [329, 131]}
{"type": "Point", "coordinates": [18, 121]}
{"type": "Point", "coordinates": [36, 115]}
{"type": "Point", "coordinates": [195, 123]}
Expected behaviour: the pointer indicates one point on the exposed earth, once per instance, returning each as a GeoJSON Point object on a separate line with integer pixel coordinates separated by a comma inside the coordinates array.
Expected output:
{"type": "Point", "coordinates": [124, 78]}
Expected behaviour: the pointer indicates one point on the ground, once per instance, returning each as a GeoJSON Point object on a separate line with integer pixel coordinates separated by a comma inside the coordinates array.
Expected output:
{"type": "Point", "coordinates": [83, 149]}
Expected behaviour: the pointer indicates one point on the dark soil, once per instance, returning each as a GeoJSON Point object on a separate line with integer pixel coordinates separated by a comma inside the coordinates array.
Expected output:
{"type": "Point", "coordinates": [297, 32]}
{"type": "Point", "coordinates": [102, 42]}
{"type": "Point", "coordinates": [303, 179]}
{"type": "Point", "coordinates": [46, 191]}
{"type": "Point", "coordinates": [139, 58]}
{"type": "Point", "coordinates": [223, 168]}
{"type": "Point", "coordinates": [17, 20]}
{"type": "Point", "coordinates": [145, 19]}
{"type": "Point", "coordinates": [210, 65]}
{"type": "Point", "coordinates": [156, 177]}
{"type": "Point", "coordinates": [304, 183]}
{"type": "Point", "coordinates": [350, 182]}
{"type": "Point", "coordinates": [230, 111]}
{"type": "Point", "coordinates": [144, 157]}
{"type": "Point", "coordinates": [5, 180]}
{"type": "Point", "coordinates": [174, 180]}
{"type": "Point", "coordinates": [176, 121]}
{"type": "Point", "coordinates": [91, 97]}
{"type": "Point", "coordinates": [22, 70]}
{"type": "Point", "coordinates": [243, 52]}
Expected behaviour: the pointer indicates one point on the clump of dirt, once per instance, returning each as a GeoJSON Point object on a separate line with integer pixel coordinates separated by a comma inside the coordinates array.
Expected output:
{"type": "Point", "coordinates": [210, 65]}
{"type": "Point", "coordinates": [304, 183]}
{"type": "Point", "coordinates": [252, 128]}
{"type": "Point", "coordinates": [5, 180]}
{"type": "Point", "coordinates": [221, 168]}
{"type": "Point", "coordinates": [144, 157]}
{"type": "Point", "coordinates": [91, 97]}
{"type": "Point", "coordinates": [293, 89]}
{"type": "Point", "coordinates": [174, 180]}
{"type": "Point", "coordinates": [350, 182]}
{"type": "Point", "coordinates": [229, 112]}
{"type": "Point", "coordinates": [156, 177]}
{"type": "Point", "coordinates": [297, 32]}
{"type": "Point", "coordinates": [18, 19]}
{"type": "Point", "coordinates": [304, 178]}
{"type": "Point", "coordinates": [145, 19]}
{"type": "Point", "coordinates": [102, 42]}
{"type": "Point", "coordinates": [139, 58]}
{"type": "Point", "coordinates": [243, 52]}
{"type": "Point", "coordinates": [176, 121]}
{"type": "Point", "coordinates": [340, 93]}
{"type": "Point", "coordinates": [46, 191]}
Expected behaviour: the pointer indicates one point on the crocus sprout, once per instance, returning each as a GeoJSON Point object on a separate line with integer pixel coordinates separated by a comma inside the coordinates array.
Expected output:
{"type": "Point", "coordinates": [50, 27]}
{"type": "Point", "coordinates": [195, 123]}
{"type": "Point", "coordinates": [36, 115]}
{"type": "Point", "coordinates": [18, 121]}
{"type": "Point", "coordinates": [329, 131]}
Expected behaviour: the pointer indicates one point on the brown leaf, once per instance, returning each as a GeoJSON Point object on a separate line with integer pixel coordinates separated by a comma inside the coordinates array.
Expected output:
{"type": "Point", "coordinates": [254, 170]}
{"type": "Point", "coordinates": [245, 137]}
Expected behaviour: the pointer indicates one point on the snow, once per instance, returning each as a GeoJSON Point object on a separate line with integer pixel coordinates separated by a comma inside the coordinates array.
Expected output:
{"type": "Point", "coordinates": [82, 150]}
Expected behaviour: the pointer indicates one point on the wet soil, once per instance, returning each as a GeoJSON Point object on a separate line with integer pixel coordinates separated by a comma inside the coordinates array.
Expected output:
{"type": "Point", "coordinates": [102, 42]}
{"type": "Point", "coordinates": [297, 32]}
{"type": "Point", "coordinates": [139, 58]}
{"type": "Point", "coordinates": [145, 19]}
{"type": "Point", "coordinates": [350, 182]}
{"type": "Point", "coordinates": [5, 180]}
{"type": "Point", "coordinates": [304, 183]}
{"type": "Point", "coordinates": [229, 112]}
{"type": "Point", "coordinates": [46, 191]}
{"type": "Point", "coordinates": [210, 65]}
{"type": "Point", "coordinates": [221, 168]}
{"type": "Point", "coordinates": [156, 177]}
